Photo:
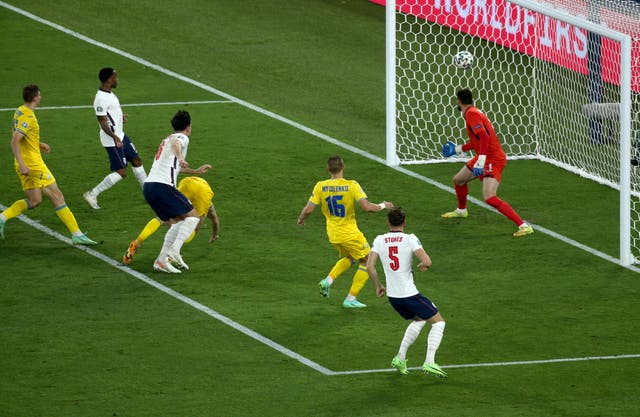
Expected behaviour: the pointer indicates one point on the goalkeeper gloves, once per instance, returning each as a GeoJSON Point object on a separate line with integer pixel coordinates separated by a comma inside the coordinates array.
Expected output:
{"type": "Point", "coordinates": [450, 149]}
{"type": "Point", "coordinates": [478, 167]}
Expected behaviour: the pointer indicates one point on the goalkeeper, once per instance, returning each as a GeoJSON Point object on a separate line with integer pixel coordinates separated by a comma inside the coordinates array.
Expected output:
{"type": "Point", "coordinates": [199, 192]}
{"type": "Point", "coordinates": [487, 165]}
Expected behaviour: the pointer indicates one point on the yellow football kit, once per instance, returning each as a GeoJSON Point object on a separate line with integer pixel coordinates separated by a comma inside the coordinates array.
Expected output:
{"type": "Point", "coordinates": [337, 198]}
{"type": "Point", "coordinates": [198, 191]}
{"type": "Point", "coordinates": [25, 122]}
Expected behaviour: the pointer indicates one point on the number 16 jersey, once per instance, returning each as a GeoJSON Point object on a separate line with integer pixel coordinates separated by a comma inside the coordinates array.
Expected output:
{"type": "Point", "coordinates": [395, 250]}
{"type": "Point", "coordinates": [338, 197]}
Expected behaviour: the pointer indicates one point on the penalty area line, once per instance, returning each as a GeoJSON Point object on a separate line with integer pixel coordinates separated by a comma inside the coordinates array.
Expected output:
{"type": "Point", "coordinates": [161, 103]}
{"type": "Point", "coordinates": [494, 364]}
{"type": "Point", "coordinates": [178, 296]}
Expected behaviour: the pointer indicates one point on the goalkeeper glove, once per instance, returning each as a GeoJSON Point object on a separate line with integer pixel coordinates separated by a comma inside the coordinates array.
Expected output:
{"type": "Point", "coordinates": [478, 167]}
{"type": "Point", "coordinates": [450, 149]}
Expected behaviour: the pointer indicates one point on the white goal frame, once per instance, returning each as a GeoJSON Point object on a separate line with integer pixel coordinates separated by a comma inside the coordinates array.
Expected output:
{"type": "Point", "coordinates": [624, 186]}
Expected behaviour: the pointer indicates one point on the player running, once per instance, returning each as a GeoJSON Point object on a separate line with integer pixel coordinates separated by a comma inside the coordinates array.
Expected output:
{"type": "Point", "coordinates": [396, 250]}
{"type": "Point", "coordinates": [487, 165]}
{"type": "Point", "coordinates": [119, 147]}
{"type": "Point", "coordinates": [338, 198]}
{"type": "Point", "coordinates": [199, 192]}
{"type": "Point", "coordinates": [34, 174]}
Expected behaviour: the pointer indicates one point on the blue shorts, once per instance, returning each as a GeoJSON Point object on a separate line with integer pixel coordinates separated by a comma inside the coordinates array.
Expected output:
{"type": "Point", "coordinates": [415, 306]}
{"type": "Point", "coordinates": [118, 157]}
{"type": "Point", "coordinates": [166, 200]}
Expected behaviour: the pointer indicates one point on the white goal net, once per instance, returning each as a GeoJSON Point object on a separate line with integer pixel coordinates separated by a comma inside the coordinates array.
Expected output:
{"type": "Point", "coordinates": [556, 79]}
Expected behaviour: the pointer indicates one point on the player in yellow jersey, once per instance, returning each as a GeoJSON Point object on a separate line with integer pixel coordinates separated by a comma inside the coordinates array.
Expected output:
{"type": "Point", "coordinates": [199, 192]}
{"type": "Point", "coordinates": [34, 175]}
{"type": "Point", "coordinates": [337, 198]}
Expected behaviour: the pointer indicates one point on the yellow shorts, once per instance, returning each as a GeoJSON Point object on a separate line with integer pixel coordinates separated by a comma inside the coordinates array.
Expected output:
{"type": "Point", "coordinates": [39, 177]}
{"type": "Point", "coordinates": [357, 248]}
{"type": "Point", "coordinates": [198, 191]}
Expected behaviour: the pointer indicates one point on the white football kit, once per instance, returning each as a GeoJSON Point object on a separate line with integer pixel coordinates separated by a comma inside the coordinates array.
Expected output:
{"type": "Point", "coordinates": [107, 104]}
{"type": "Point", "coordinates": [165, 168]}
{"type": "Point", "coordinates": [396, 251]}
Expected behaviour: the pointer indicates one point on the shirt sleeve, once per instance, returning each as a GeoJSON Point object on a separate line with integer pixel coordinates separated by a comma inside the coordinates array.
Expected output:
{"type": "Point", "coordinates": [23, 124]}
{"type": "Point", "coordinates": [100, 106]}
{"type": "Point", "coordinates": [358, 192]}
{"type": "Point", "coordinates": [414, 242]}
{"type": "Point", "coordinates": [315, 195]}
{"type": "Point", "coordinates": [376, 245]}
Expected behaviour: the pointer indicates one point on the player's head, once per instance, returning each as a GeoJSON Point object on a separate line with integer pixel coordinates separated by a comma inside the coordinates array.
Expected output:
{"type": "Point", "coordinates": [335, 164]}
{"type": "Point", "coordinates": [465, 98]}
{"type": "Point", "coordinates": [181, 121]}
{"type": "Point", "coordinates": [31, 93]}
{"type": "Point", "coordinates": [108, 75]}
{"type": "Point", "coordinates": [396, 217]}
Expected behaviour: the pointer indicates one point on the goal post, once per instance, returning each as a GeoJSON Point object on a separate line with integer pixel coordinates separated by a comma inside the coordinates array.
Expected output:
{"type": "Point", "coordinates": [557, 86]}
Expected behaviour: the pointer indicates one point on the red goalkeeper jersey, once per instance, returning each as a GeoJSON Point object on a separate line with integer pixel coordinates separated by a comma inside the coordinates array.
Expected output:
{"type": "Point", "coordinates": [482, 137]}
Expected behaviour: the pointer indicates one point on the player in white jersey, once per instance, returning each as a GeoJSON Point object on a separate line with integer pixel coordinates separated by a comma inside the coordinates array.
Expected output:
{"type": "Point", "coordinates": [117, 144]}
{"type": "Point", "coordinates": [396, 250]}
{"type": "Point", "coordinates": [169, 204]}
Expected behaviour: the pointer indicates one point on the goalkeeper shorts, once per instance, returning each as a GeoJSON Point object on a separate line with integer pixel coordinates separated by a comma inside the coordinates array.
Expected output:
{"type": "Point", "coordinates": [492, 168]}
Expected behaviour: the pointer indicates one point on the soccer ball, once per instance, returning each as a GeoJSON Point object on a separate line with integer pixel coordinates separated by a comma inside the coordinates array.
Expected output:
{"type": "Point", "coordinates": [463, 59]}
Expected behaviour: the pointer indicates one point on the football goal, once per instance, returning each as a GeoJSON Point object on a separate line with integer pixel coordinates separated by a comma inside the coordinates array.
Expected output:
{"type": "Point", "coordinates": [556, 79]}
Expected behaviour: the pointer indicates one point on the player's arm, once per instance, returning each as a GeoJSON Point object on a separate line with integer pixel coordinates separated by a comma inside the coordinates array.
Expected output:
{"type": "Point", "coordinates": [201, 170]}
{"type": "Point", "coordinates": [366, 205]}
{"type": "Point", "coordinates": [306, 211]}
{"type": "Point", "coordinates": [425, 260]}
{"type": "Point", "coordinates": [176, 147]}
{"type": "Point", "coordinates": [104, 125]}
{"type": "Point", "coordinates": [373, 273]}
{"type": "Point", "coordinates": [17, 152]}
{"type": "Point", "coordinates": [45, 147]}
{"type": "Point", "coordinates": [215, 223]}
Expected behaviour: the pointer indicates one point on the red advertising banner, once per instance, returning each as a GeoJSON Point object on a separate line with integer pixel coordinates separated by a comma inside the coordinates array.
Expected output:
{"type": "Point", "coordinates": [506, 24]}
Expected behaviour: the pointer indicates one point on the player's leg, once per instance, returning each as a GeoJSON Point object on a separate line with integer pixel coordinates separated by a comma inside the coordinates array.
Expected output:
{"type": "Point", "coordinates": [489, 194]}
{"type": "Point", "coordinates": [34, 198]}
{"type": "Point", "coordinates": [433, 343]}
{"type": "Point", "coordinates": [118, 167]}
{"type": "Point", "coordinates": [358, 249]}
{"type": "Point", "coordinates": [150, 228]}
{"type": "Point", "coordinates": [63, 212]}
{"type": "Point", "coordinates": [184, 228]}
{"type": "Point", "coordinates": [340, 267]}
{"type": "Point", "coordinates": [131, 153]}
{"type": "Point", "coordinates": [460, 181]}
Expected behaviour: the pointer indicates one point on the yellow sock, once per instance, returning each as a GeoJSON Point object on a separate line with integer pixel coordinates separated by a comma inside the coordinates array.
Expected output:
{"type": "Point", "coordinates": [359, 279]}
{"type": "Point", "coordinates": [190, 237]}
{"type": "Point", "coordinates": [68, 218]}
{"type": "Point", "coordinates": [16, 209]}
{"type": "Point", "coordinates": [340, 267]}
{"type": "Point", "coordinates": [149, 229]}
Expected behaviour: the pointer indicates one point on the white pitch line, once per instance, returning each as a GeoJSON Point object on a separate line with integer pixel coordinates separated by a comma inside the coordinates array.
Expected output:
{"type": "Point", "coordinates": [179, 296]}
{"type": "Point", "coordinates": [494, 364]}
{"type": "Point", "coordinates": [166, 103]}
{"type": "Point", "coordinates": [299, 126]}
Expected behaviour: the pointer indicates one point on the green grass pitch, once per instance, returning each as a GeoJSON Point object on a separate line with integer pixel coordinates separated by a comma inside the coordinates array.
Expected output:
{"type": "Point", "coordinates": [83, 338]}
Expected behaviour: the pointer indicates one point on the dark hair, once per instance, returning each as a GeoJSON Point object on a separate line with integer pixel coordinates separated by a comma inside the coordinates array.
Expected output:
{"type": "Point", "coordinates": [335, 164]}
{"type": "Point", "coordinates": [181, 120]}
{"type": "Point", "coordinates": [105, 73]}
{"type": "Point", "coordinates": [465, 96]}
{"type": "Point", "coordinates": [396, 216]}
{"type": "Point", "coordinates": [29, 92]}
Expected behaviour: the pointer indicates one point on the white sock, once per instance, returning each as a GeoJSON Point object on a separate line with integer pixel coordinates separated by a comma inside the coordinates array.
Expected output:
{"type": "Point", "coordinates": [187, 226]}
{"type": "Point", "coordinates": [350, 297]}
{"type": "Point", "coordinates": [410, 336]}
{"type": "Point", "coordinates": [433, 341]}
{"type": "Point", "coordinates": [108, 182]}
{"type": "Point", "coordinates": [329, 280]}
{"type": "Point", "coordinates": [140, 174]}
{"type": "Point", "coordinates": [461, 211]}
{"type": "Point", "coordinates": [169, 238]}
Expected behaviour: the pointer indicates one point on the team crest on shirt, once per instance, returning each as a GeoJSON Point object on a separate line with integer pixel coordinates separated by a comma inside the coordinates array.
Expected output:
{"type": "Point", "coordinates": [25, 125]}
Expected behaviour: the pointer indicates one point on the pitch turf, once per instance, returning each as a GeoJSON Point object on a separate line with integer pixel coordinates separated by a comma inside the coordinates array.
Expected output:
{"type": "Point", "coordinates": [81, 337]}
